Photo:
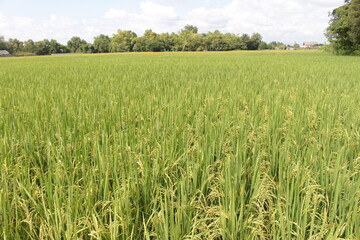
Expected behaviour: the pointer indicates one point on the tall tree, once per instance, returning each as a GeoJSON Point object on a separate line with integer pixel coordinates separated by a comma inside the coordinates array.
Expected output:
{"type": "Point", "coordinates": [263, 46]}
{"type": "Point", "coordinates": [87, 48]}
{"type": "Point", "coordinates": [215, 41]}
{"type": "Point", "coordinates": [254, 42]}
{"type": "Point", "coordinates": [189, 38]}
{"type": "Point", "coordinates": [344, 29]}
{"type": "Point", "coordinates": [354, 21]}
{"type": "Point", "coordinates": [55, 47]}
{"type": "Point", "coordinates": [123, 41]}
{"type": "Point", "coordinates": [139, 44]}
{"type": "Point", "coordinates": [42, 47]}
{"type": "Point", "coordinates": [190, 28]}
{"type": "Point", "coordinates": [167, 41]}
{"type": "Point", "coordinates": [75, 44]}
{"type": "Point", "coordinates": [245, 40]}
{"type": "Point", "coordinates": [102, 44]}
{"type": "Point", "coordinates": [14, 45]}
{"type": "Point", "coordinates": [2, 43]}
{"type": "Point", "coordinates": [153, 44]}
{"type": "Point", "coordinates": [29, 46]}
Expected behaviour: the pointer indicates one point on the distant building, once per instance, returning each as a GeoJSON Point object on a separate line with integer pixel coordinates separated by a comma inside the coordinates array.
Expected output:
{"type": "Point", "coordinates": [4, 53]}
{"type": "Point", "coordinates": [310, 45]}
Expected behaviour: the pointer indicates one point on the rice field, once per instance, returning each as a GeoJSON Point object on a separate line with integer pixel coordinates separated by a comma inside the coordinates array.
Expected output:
{"type": "Point", "coordinates": [235, 145]}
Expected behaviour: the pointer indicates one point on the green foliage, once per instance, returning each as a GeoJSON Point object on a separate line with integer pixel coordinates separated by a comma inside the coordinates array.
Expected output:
{"type": "Point", "coordinates": [155, 46]}
{"type": "Point", "coordinates": [24, 54]}
{"type": "Point", "coordinates": [42, 47]}
{"type": "Point", "coordinates": [2, 43]}
{"type": "Point", "coordinates": [254, 42]}
{"type": "Point", "coordinates": [344, 29]}
{"type": "Point", "coordinates": [187, 39]}
{"type": "Point", "coordinates": [263, 46]}
{"type": "Point", "coordinates": [56, 47]}
{"type": "Point", "coordinates": [14, 45]}
{"type": "Point", "coordinates": [29, 46]}
{"type": "Point", "coordinates": [354, 21]}
{"type": "Point", "coordinates": [282, 47]}
{"type": "Point", "coordinates": [230, 145]}
{"type": "Point", "coordinates": [167, 40]}
{"type": "Point", "coordinates": [274, 45]}
{"type": "Point", "coordinates": [76, 44]}
{"type": "Point", "coordinates": [102, 44]}
{"type": "Point", "coordinates": [190, 28]}
{"type": "Point", "coordinates": [216, 41]}
{"type": "Point", "coordinates": [123, 41]}
{"type": "Point", "coordinates": [150, 42]}
{"type": "Point", "coordinates": [87, 48]}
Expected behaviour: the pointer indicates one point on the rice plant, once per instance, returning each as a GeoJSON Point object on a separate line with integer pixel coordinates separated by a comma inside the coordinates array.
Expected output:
{"type": "Point", "coordinates": [235, 145]}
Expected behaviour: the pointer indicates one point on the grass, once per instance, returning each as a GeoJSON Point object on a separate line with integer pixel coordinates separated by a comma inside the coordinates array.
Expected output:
{"type": "Point", "coordinates": [235, 145]}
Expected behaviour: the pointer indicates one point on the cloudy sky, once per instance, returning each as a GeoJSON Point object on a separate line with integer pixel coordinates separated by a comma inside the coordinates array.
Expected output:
{"type": "Point", "coordinates": [275, 20]}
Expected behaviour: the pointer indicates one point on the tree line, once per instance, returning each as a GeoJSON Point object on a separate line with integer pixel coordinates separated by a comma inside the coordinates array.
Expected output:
{"type": "Point", "coordinates": [187, 39]}
{"type": "Point", "coordinates": [344, 30]}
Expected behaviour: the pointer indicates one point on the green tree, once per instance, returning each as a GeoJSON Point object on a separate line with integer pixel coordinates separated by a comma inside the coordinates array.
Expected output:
{"type": "Point", "coordinates": [282, 47]}
{"type": "Point", "coordinates": [191, 28]}
{"type": "Point", "coordinates": [14, 45]}
{"type": "Point", "coordinates": [56, 47]}
{"type": "Point", "coordinates": [274, 45]}
{"type": "Point", "coordinates": [75, 44]}
{"type": "Point", "coordinates": [245, 40]}
{"type": "Point", "coordinates": [188, 39]}
{"type": "Point", "coordinates": [344, 30]}
{"type": "Point", "coordinates": [177, 43]}
{"type": "Point", "coordinates": [167, 40]}
{"type": "Point", "coordinates": [155, 46]}
{"type": "Point", "coordinates": [354, 21]}
{"type": "Point", "coordinates": [123, 41]}
{"type": "Point", "coordinates": [150, 35]}
{"type": "Point", "coordinates": [263, 46]}
{"type": "Point", "coordinates": [139, 44]}
{"type": "Point", "coordinates": [87, 48]}
{"type": "Point", "coordinates": [215, 41]}
{"type": "Point", "coordinates": [254, 42]}
{"type": "Point", "coordinates": [152, 42]}
{"type": "Point", "coordinates": [233, 42]}
{"type": "Point", "coordinates": [2, 43]}
{"type": "Point", "coordinates": [29, 46]}
{"type": "Point", "coordinates": [42, 47]}
{"type": "Point", "coordinates": [102, 43]}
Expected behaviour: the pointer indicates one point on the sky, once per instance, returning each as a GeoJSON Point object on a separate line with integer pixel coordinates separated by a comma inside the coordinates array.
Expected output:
{"type": "Point", "coordinates": [286, 21]}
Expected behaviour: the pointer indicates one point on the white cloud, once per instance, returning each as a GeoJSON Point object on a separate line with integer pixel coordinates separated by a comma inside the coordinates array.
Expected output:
{"type": "Point", "coordinates": [21, 21]}
{"type": "Point", "coordinates": [61, 21]}
{"type": "Point", "coordinates": [282, 20]}
{"type": "Point", "coordinates": [116, 14]}
{"type": "Point", "coordinates": [3, 22]}
{"type": "Point", "coordinates": [153, 11]}
{"type": "Point", "coordinates": [152, 15]}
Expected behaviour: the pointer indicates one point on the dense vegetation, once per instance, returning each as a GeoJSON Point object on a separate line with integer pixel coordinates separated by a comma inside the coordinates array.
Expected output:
{"type": "Point", "coordinates": [235, 145]}
{"type": "Point", "coordinates": [344, 29]}
{"type": "Point", "coordinates": [188, 39]}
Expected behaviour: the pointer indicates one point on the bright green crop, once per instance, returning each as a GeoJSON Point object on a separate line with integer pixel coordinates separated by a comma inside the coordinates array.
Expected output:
{"type": "Point", "coordinates": [235, 145]}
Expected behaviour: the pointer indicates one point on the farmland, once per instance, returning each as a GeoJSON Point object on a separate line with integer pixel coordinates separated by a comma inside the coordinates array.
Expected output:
{"type": "Point", "coordinates": [235, 145]}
